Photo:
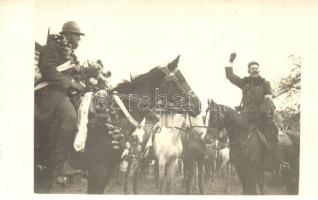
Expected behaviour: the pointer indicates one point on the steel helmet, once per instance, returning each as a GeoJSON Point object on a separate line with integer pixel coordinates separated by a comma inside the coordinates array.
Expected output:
{"type": "Point", "coordinates": [72, 27]}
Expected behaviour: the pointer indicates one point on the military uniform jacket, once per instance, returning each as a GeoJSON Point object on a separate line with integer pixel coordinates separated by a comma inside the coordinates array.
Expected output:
{"type": "Point", "coordinates": [253, 88]}
{"type": "Point", "coordinates": [51, 56]}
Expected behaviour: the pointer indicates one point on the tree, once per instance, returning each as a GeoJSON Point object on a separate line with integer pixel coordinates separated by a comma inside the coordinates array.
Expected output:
{"type": "Point", "coordinates": [287, 94]}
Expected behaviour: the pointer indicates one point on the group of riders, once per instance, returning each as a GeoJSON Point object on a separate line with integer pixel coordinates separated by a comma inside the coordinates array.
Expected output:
{"type": "Point", "coordinates": [54, 101]}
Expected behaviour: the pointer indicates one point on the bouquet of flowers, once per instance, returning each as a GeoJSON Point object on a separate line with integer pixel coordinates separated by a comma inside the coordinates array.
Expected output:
{"type": "Point", "coordinates": [91, 75]}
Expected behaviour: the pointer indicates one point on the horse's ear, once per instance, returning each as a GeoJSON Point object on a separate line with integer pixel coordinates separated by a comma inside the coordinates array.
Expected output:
{"type": "Point", "coordinates": [174, 64]}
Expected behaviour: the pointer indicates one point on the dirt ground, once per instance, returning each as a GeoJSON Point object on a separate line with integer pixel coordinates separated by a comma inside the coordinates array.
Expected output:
{"type": "Point", "coordinates": [147, 187]}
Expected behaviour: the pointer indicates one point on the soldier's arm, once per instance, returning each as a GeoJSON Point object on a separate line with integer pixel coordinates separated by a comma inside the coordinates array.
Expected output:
{"type": "Point", "coordinates": [233, 78]}
{"type": "Point", "coordinates": [267, 88]}
{"type": "Point", "coordinates": [48, 63]}
{"type": "Point", "coordinates": [268, 92]}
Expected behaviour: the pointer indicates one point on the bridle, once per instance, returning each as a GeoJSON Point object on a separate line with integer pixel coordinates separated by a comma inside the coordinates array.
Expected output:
{"type": "Point", "coordinates": [220, 125]}
{"type": "Point", "coordinates": [170, 76]}
{"type": "Point", "coordinates": [219, 121]}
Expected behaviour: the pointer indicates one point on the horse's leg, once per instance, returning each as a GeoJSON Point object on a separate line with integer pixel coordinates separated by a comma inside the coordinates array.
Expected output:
{"type": "Point", "coordinates": [261, 182]}
{"type": "Point", "coordinates": [50, 177]}
{"type": "Point", "coordinates": [51, 169]}
{"type": "Point", "coordinates": [49, 151]}
{"type": "Point", "coordinates": [185, 171]}
{"type": "Point", "coordinates": [156, 171]}
{"type": "Point", "coordinates": [207, 170]}
{"type": "Point", "coordinates": [200, 171]}
{"type": "Point", "coordinates": [143, 168]}
{"type": "Point", "coordinates": [170, 173]}
{"type": "Point", "coordinates": [136, 176]}
{"type": "Point", "coordinates": [218, 164]}
{"type": "Point", "coordinates": [126, 177]}
{"type": "Point", "coordinates": [241, 172]}
{"type": "Point", "coordinates": [251, 178]}
{"type": "Point", "coordinates": [161, 180]}
{"type": "Point", "coordinates": [195, 177]}
{"type": "Point", "coordinates": [225, 168]}
{"type": "Point", "coordinates": [180, 168]}
{"type": "Point", "coordinates": [213, 169]}
{"type": "Point", "coordinates": [98, 176]}
{"type": "Point", "coordinates": [119, 175]}
{"type": "Point", "coordinates": [189, 176]}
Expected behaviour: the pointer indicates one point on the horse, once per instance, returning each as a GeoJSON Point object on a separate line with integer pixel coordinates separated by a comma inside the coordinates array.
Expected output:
{"type": "Point", "coordinates": [137, 155]}
{"type": "Point", "coordinates": [246, 147]}
{"type": "Point", "coordinates": [168, 148]}
{"type": "Point", "coordinates": [223, 161]}
{"type": "Point", "coordinates": [223, 164]}
{"type": "Point", "coordinates": [167, 145]}
{"type": "Point", "coordinates": [289, 161]}
{"type": "Point", "coordinates": [175, 99]}
{"type": "Point", "coordinates": [289, 154]}
{"type": "Point", "coordinates": [210, 158]}
{"type": "Point", "coordinates": [194, 152]}
{"type": "Point", "coordinates": [162, 87]}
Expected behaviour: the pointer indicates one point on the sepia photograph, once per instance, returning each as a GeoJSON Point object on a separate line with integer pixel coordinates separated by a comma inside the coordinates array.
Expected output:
{"type": "Point", "coordinates": [143, 97]}
{"type": "Point", "coordinates": [166, 98]}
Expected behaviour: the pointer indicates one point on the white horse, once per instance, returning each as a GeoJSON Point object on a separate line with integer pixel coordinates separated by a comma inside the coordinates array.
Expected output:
{"type": "Point", "coordinates": [168, 147]}
{"type": "Point", "coordinates": [167, 143]}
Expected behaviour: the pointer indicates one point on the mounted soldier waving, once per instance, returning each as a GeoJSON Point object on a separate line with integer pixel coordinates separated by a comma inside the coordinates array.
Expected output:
{"type": "Point", "coordinates": [53, 106]}
{"type": "Point", "coordinates": [257, 106]}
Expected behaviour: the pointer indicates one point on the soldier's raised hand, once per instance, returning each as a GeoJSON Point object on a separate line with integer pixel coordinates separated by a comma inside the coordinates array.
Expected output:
{"type": "Point", "coordinates": [232, 57]}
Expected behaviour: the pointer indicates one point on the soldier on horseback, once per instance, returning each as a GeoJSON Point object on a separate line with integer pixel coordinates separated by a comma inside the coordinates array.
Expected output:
{"type": "Point", "coordinates": [257, 105]}
{"type": "Point", "coordinates": [53, 103]}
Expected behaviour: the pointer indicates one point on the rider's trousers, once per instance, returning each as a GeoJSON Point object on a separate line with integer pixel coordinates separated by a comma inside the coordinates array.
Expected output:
{"type": "Point", "coordinates": [64, 128]}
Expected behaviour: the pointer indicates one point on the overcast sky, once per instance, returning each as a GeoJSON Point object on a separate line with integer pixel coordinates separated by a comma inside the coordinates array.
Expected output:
{"type": "Point", "coordinates": [131, 37]}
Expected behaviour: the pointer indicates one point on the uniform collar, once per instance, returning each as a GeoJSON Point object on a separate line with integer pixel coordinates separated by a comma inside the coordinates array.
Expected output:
{"type": "Point", "coordinates": [254, 80]}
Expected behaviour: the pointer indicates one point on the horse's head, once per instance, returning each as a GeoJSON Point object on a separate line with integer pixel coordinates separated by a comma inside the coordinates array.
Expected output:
{"type": "Point", "coordinates": [215, 114]}
{"type": "Point", "coordinates": [162, 88]}
{"type": "Point", "coordinates": [139, 132]}
{"type": "Point", "coordinates": [175, 92]}
{"type": "Point", "coordinates": [149, 125]}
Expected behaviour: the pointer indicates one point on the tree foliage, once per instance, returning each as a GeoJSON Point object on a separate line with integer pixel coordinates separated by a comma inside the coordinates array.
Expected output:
{"type": "Point", "coordinates": [290, 84]}
{"type": "Point", "coordinates": [287, 94]}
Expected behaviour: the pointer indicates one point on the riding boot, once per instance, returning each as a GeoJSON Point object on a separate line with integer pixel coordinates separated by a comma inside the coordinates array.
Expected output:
{"type": "Point", "coordinates": [65, 136]}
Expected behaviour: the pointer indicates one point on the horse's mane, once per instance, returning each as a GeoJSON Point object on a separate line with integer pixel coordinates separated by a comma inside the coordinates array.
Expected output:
{"type": "Point", "coordinates": [233, 116]}
{"type": "Point", "coordinates": [135, 81]}
{"type": "Point", "coordinates": [126, 82]}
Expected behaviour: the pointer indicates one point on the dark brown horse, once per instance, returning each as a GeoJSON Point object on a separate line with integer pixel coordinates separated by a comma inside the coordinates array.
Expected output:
{"type": "Point", "coordinates": [194, 150]}
{"type": "Point", "coordinates": [246, 147]}
{"type": "Point", "coordinates": [160, 87]}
